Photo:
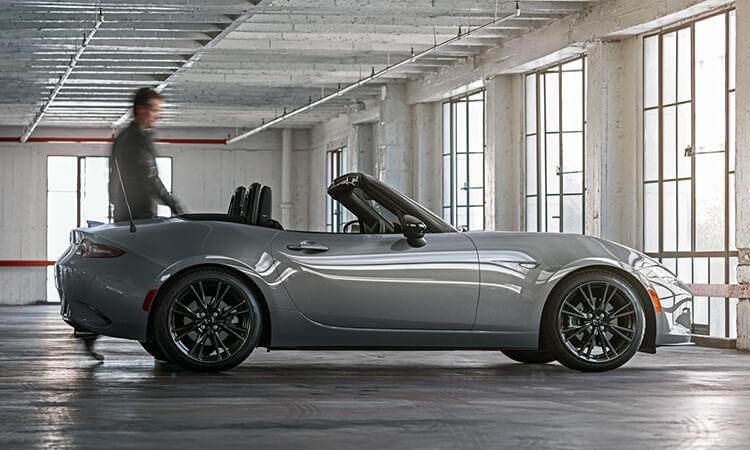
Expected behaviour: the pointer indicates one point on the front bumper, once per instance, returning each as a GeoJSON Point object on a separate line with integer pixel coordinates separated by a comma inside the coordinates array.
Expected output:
{"type": "Point", "coordinates": [673, 323]}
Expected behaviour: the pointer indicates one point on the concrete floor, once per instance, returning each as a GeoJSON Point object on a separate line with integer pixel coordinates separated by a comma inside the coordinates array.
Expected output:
{"type": "Point", "coordinates": [52, 395]}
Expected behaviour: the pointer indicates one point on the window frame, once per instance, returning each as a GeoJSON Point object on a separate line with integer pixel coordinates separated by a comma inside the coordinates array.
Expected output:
{"type": "Point", "coordinates": [669, 257]}
{"type": "Point", "coordinates": [450, 203]}
{"type": "Point", "coordinates": [540, 104]}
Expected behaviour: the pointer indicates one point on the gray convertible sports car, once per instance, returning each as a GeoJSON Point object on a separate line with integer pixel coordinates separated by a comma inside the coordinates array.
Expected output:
{"type": "Point", "coordinates": [204, 290]}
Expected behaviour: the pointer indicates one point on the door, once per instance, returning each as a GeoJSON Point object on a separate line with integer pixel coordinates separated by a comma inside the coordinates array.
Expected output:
{"type": "Point", "coordinates": [379, 281]}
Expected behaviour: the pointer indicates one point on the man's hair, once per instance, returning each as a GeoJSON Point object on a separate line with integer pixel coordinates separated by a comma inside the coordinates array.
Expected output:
{"type": "Point", "coordinates": [144, 95]}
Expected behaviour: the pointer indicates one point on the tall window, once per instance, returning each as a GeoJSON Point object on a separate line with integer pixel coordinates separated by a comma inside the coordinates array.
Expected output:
{"type": "Point", "coordinates": [335, 166]}
{"type": "Point", "coordinates": [78, 192]}
{"type": "Point", "coordinates": [555, 142]}
{"type": "Point", "coordinates": [688, 159]}
{"type": "Point", "coordinates": [463, 161]}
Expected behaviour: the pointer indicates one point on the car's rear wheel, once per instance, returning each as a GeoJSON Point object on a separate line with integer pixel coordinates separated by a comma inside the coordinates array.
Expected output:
{"type": "Point", "coordinates": [593, 321]}
{"type": "Point", "coordinates": [208, 320]}
{"type": "Point", "coordinates": [153, 349]}
{"type": "Point", "coordinates": [529, 356]}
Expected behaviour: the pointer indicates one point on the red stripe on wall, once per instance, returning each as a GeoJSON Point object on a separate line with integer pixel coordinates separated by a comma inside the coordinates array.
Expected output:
{"type": "Point", "coordinates": [26, 263]}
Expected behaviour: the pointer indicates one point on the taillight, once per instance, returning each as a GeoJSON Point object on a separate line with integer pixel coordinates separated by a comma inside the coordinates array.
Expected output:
{"type": "Point", "coordinates": [93, 250]}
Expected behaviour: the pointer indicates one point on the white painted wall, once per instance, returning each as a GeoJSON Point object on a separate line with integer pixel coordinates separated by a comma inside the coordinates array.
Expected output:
{"type": "Point", "coordinates": [205, 177]}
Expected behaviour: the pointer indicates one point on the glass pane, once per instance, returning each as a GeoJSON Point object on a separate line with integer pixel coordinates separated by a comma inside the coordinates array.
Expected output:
{"type": "Point", "coordinates": [476, 170]}
{"type": "Point", "coordinates": [460, 122]}
{"type": "Point", "coordinates": [683, 216]}
{"type": "Point", "coordinates": [164, 166]}
{"type": "Point", "coordinates": [732, 131]}
{"type": "Point", "coordinates": [709, 84]}
{"type": "Point", "coordinates": [446, 128]}
{"type": "Point", "coordinates": [476, 126]}
{"type": "Point", "coordinates": [447, 215]}
{"type": "Point", "coordinates": [553, 213]}
{"type": "Point", "coordinates": [62, 173]}
{"type": "Point", "coordinates": [651, 71]}
{"type": "Point", "coordinates": [700, 270]}
{"type": "Point", "coordinates": [531, 165]}
{"type": "Point", "coordinates": [669, 67]}
{"type": "Point", "coordinates": [476, 196]}
{"type": "Point", "coordinates": [573, 183]}
{"type": "Point", "coordinates": [669, 143]}
{"type": "Point", "coordinates": [670, 263]}
{"type": "Point", "coordinates": [709, 202]}
{"type": "Point", "coordinates": [94, 195]}
{"type": "Point", "coordinates": [700, 310]}
{"type": "Point", "coordinates": [572, 101]}
{"type": "Point", "coordinates": [447, 180]}
{"type": "Point", "coordinates": [716, 322]}
{"type": "Point", "coordinates": [685, 269]}
{"type": "Point", "coordinates": [552, 99]}
{"type": "Point", "coordinates": [683, 65]}
{"type": "Point", "coordinates": [552, 182]}
{"type": "Point", "coordinates": [716, 271]}
{"type": "Point", "coordinates": [732, 48]}
{"type": "Point", "coordinates": [576, 64]}
{"type": "Point", "coordinates": [461, 217]}
{"type": "Point", "coordinates": [531, 104]}
{"type": "Point", "coordinates": [732, 211]}
{"type": "Point", "coordinates": [651, 217]}
{"type": "Point", "coordinates": [476, 218]}
{"type": "Point", "coordinates": [669, 208]}
{"type": "Point", "coordinates": [572, 152]}
{"type": "Point", "coordinates": [733, 270]}
{"type": "Point", "coordinates": [684, 163]}
{"type": "Point", "coordinates": [462, 180]}
{"type": "Point", "coordinates": [573, 214]}
{"type": "Point", "coordinates": [531, 215]}
{"type": "Point", "coordinates": [651, 145]}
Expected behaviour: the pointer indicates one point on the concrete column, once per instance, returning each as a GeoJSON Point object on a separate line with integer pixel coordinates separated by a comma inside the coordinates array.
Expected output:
{"type": "Point", "coordinates": [393, 157]}
{"type": "Point", "coordinates": [427, 152]}
{"type": "Point", "coordinates": [742, 176]}
{"type": "Point", "coordinates": [611, 156]}
{"type": "Point", "coordinates": [504, 197]}
{"type": "Point", "coordinates": [287, 185]}
{"type": "Point", "coordinates": [365, 148]}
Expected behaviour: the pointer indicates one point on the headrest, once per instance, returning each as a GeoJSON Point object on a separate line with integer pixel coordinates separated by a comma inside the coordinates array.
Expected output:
{"type": "Point", "coordinates": [237, 203]}
{"type": "Point", "coordinates": [251, 204]}
{"type": "Point", "coordinates": [265, 205]}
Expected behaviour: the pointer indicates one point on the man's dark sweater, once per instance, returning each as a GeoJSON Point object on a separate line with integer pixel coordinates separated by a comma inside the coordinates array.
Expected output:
{"type": "Point", "coordinates": [133, 150]}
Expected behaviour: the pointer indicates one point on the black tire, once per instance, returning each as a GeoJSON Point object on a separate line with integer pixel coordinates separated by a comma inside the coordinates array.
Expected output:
{"type": "Point", "coordinates": [529, 356]}
{"type": "Point", "coordinates": [208, 320]}
{"type": "Point", "coordinates": [154, 350]}
{"type": "Point", "coordinates": [593, 321]}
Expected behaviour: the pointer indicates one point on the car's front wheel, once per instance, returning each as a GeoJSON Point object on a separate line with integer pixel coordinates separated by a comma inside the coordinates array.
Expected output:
{"type": "Point", "coordinates": [208, 320]}
{"type": "Point", "coordinates": [593, 321]}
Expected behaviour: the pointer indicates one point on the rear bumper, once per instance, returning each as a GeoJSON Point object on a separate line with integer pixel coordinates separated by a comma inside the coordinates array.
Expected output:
{"type": "Point", "coordinates": [105, 296]}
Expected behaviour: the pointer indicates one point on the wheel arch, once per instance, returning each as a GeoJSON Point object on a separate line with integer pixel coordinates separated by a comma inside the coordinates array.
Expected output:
{"type": "Point", "coordinates": [648, 344]}
{"type": "Point", "coordinates": [265, 332]}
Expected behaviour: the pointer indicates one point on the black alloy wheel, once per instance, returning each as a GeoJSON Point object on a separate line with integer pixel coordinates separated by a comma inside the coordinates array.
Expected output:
{"type": "Point", "coordinates": [593, 322]}
{"type": "Point", "coordinates": [529, 356]}
{"type": "Point", "coordinates": [208, 320]}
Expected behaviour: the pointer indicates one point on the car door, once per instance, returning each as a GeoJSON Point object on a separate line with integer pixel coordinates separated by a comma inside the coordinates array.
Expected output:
{"type": "Point", "coordinates": [379, 281]}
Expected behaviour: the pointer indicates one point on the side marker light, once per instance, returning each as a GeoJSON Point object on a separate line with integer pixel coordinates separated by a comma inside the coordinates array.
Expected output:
{"type": "Point", "coordinates": [655, 299]}
{"type": "Point", "coordinates": [149, 299]}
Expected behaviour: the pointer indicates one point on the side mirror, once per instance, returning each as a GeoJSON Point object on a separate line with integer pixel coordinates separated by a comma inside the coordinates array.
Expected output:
{"type": "Point", "coordinates": [414, 230]}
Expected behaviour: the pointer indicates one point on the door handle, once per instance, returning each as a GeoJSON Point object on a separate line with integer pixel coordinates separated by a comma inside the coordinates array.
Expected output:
{"type": "Point", "coordinates": [308, 246]}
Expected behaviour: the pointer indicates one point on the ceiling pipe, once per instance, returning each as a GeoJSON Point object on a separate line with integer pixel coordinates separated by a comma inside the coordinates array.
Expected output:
{"type": "Point", "coordinates": [374, 75]}
{"type": "Point", "coordinates": [73, 61]}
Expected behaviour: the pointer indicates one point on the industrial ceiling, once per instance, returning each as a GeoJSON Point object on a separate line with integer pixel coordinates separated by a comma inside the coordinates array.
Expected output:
{"type": "Point", "coordinates": [230, 63]}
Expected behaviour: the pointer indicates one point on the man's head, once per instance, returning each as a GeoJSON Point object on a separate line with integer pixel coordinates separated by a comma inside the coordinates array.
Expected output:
{"type": "Point", "coordinates": [146, 105]}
